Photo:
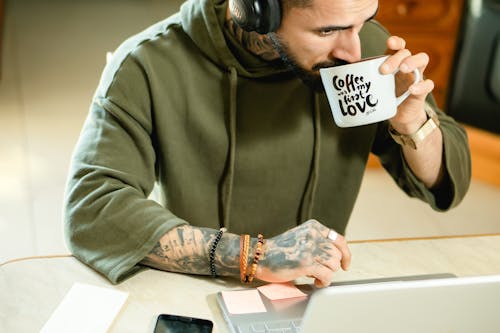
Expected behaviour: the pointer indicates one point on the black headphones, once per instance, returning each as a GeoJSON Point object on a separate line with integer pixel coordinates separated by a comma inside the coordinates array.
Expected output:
{"type": "Point", "coordinates": [262, 16]}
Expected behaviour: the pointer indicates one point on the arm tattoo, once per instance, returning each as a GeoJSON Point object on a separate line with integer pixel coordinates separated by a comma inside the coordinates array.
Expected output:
{"type": "Point", "coordinates": [185, 249]}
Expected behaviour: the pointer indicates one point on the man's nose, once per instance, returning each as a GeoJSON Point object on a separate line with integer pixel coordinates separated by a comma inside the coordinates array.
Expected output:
{"type": "Point", "coordinates": [347, 47]}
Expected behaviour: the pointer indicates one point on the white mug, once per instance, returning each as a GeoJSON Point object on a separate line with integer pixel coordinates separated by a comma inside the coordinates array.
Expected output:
{"type": "Point", "coordinates": [359, 94]}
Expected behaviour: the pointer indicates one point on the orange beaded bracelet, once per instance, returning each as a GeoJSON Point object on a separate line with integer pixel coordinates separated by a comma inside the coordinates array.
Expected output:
{"type": "Point", "coordinates": [244, 244]}
{"type": "Point", "coordinates": [255, 262]}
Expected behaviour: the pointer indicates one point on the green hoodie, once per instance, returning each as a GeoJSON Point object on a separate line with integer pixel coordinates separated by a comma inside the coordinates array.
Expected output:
{"type": "Point", "coordinates": [228, 138]}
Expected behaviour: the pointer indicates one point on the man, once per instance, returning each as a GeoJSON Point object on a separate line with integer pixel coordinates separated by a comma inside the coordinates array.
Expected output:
{"type": "Point", "coordinates": [234, 128]}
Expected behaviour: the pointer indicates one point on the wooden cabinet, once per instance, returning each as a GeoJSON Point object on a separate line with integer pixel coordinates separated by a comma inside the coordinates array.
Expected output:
{"type": "Point", "coordinates": [432, 26]}
{"type": "Point", "coordinates": [427, 26]}
{"type": "Point", "coordinates": [485, 155]}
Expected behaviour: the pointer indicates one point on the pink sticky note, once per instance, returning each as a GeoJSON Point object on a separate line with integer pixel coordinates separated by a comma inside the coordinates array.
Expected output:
{"type": "Point", "coordinates": [243, 301]}
{"type": "Point", "coordinates": [275, 291]}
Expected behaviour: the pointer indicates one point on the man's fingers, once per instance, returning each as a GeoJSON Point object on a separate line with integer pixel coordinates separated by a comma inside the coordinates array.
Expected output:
{"type": "Point", "coordinates": [416, 61]}
{"type": "Point", "coordinates": [394, 61]}
{"type": "Point", "coordinates": [333, 261]}
{"type": "Point", "coordinates": [395, 43]}
{"type": "Point", "coordinates": [401, 58]}
{"type": "Point", "coordinates": [345, 254]}
{"type": "Point", "coordinates": [319, 284]}
{"type": "Point", "coordinates": [341, 244]}
{"type": "Point", "coordinates": [323, 275]}
{"type": "Point", "coordinates": [422, 88]}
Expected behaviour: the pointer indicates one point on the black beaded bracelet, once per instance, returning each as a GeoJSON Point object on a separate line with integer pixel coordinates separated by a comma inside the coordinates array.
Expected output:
{"type": "Point", "coordinates": [212, 251]}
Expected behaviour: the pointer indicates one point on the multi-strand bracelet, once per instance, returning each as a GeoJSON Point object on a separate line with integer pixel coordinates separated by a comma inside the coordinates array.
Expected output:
{"type": "Point", "coordinates": [244, 247]}
{"type": "Point", "coordinates": [212, 251]}
{"type": "Point", "coordinates": [256, 257]}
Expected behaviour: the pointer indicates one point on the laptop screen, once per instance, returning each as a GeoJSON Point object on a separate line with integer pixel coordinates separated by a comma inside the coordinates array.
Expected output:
{"type": "Point", "coordinates": [424, 303]}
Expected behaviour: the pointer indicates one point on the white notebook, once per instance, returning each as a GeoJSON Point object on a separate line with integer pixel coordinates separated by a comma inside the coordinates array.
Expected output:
{"type": "Point", "coordinates": [86, 309]}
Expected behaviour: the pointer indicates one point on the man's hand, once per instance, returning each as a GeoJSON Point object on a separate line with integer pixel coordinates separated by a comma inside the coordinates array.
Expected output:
{"type": "Point", "coordinates": [426, 162]}
{"type": "Point", "coordinates": [304, 251]}
{"type": "Point", "coordinates": [411, 113]}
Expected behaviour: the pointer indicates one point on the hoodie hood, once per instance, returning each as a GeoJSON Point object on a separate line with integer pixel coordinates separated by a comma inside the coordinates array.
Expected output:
{"type": "Point", "coordinates": [204, 22]}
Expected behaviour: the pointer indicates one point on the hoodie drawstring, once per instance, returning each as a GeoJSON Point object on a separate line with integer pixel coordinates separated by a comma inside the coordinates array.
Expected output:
{"type": "Point", "coordinates": [227, 181]}
{"type": "Point", "coordinates": [306, 208]}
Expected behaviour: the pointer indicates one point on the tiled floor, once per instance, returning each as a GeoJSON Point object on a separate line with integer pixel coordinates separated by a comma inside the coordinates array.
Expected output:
{"type": "Point", "coordinates": [54, 52]}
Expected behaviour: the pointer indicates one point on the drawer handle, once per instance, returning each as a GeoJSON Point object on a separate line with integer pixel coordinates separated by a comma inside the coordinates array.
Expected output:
{"type": "Point", "coordinates": [404, 8]}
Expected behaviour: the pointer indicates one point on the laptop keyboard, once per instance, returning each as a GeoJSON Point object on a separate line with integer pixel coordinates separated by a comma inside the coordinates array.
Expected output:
{"type": "Point", "coordinates": [272, 327]}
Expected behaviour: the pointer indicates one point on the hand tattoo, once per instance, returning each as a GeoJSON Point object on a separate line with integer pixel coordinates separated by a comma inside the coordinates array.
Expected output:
{"type": "Point", "coordinates": [297, 248]}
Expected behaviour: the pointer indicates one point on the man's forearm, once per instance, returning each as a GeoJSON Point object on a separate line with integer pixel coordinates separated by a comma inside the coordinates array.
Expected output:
{"type": "Point", "coordinates": [427, 161]}
{"type": "Point", "coordinates": [185, 249]}
{"type": "Point", "coordinates": [301, 251]}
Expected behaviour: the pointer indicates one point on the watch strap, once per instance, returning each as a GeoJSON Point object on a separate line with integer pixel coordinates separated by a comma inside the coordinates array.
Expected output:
{"type": "Point", "coordinates": [413, 140]}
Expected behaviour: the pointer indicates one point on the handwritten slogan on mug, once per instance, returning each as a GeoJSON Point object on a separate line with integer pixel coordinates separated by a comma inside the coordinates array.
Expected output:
{"type": "Point", "coordinates": [359, 94]}
{"type": "Point", "coordinates": [354, 94]}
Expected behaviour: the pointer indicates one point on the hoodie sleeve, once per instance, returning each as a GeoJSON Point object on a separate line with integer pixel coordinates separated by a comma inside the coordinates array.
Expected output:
{"type": "Point", "coordinates": [455, 143]}
{"type": "Point", "coordinates": [110, 223]}
{"type": "Point", "coordinates": [456, 159]}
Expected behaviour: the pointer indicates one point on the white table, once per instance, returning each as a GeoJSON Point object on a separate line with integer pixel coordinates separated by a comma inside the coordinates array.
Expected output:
{"type": "Point", "coordinates": [30, 289]}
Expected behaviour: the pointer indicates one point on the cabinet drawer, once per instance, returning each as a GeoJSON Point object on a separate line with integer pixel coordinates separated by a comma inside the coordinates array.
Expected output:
{"type": "Point", "coordinates": [420, 15]}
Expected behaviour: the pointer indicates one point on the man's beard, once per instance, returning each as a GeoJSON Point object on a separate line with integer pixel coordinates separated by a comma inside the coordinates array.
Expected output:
{"type": "Point", "coordinates": [310, 77]}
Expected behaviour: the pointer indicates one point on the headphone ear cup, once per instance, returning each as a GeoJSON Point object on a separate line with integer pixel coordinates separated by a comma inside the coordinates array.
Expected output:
{"type": "Point", "coordinates": [272, 17]}
{"type": "Point", "coordinates": [262, 16]}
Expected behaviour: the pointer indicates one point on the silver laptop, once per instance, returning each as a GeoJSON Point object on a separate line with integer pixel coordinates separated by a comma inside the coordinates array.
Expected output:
{"type": "Point", "coordinates": [429, 303]}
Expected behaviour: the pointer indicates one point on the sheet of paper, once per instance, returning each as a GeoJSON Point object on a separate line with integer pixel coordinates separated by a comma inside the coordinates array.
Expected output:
{"type": "Point", "coordinates": [243, 301]}
{"type": "Point", "coordinates": [276, 291]}
{"type": "Point", "coordinates": [86, 309]}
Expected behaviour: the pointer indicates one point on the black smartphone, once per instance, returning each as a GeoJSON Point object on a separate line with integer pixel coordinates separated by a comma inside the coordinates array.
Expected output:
{"type": "Point", "coordinates": [167, 323]}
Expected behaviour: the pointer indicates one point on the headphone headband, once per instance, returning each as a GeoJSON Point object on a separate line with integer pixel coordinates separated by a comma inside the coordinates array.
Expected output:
{"type": "Point", "coordinates": [262, 16]}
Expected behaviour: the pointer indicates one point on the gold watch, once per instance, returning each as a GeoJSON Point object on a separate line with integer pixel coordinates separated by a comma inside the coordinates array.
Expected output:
{"type": "Point", "coordinates": [414, 140]}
